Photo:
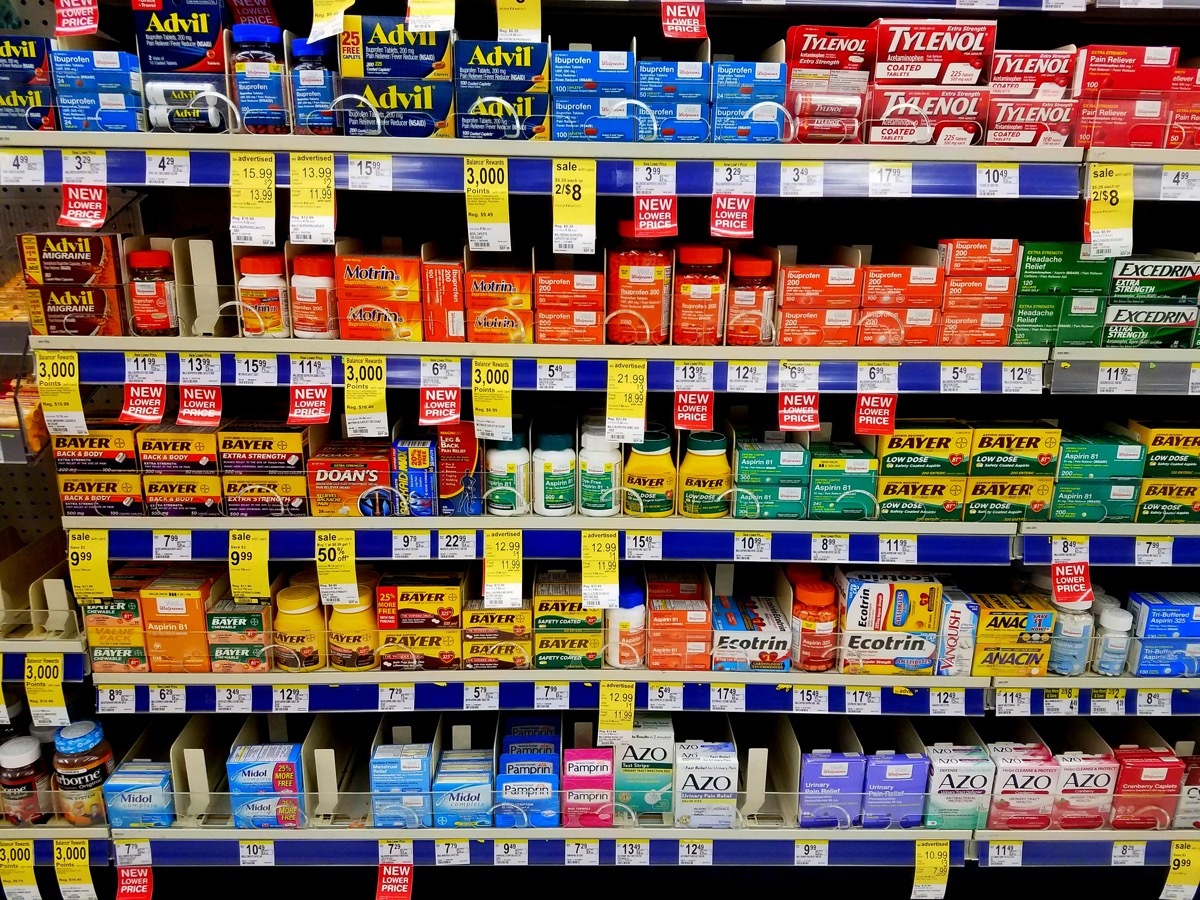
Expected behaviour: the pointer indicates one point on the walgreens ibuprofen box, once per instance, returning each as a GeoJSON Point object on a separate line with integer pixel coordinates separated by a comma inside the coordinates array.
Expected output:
{"type": "Point", "coordinates": [979, 256]}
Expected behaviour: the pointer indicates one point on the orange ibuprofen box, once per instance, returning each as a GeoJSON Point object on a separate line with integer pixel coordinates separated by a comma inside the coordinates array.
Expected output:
{"type": "Point", "coordinates": [816, 327]}
{"type": "Point", "coordinates": [991, 293]}
{"type": "Point", "coordinates": [907, 286]}
{"type": "Point", "coordinates": [443, 296]}
{"type": "Point", "coordinates": [351, 478]}
{"type": "Point", "coordinates": [569, 307]}
{"type": "Point", "coordinates": [899, 328]}
{"type": "Point", "coordinates": [975, 329]}
{"type": "Point", "coordinates": [979, 256]}
{"type": "Point", "coordinates": [825, 287]}
{"type": "Point", "coordinates": [379, 297]}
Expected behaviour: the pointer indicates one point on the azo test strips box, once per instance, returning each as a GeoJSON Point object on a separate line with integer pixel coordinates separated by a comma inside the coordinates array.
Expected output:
{"type": "Point", "coordinates": [644, 761]}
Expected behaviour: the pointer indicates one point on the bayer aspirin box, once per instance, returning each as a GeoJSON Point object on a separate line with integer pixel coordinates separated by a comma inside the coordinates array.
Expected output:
{"type": "Point", "coordinates": [265, 769]}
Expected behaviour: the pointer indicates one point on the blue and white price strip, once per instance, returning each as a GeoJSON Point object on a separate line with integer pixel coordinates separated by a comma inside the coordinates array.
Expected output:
{"type": "Point", "coordinates": [947, 701]}
{"type": "Point", "coordinates": [510, 853]}
{"type": "Point", "coordinates": [581, 852]}
{"type": "Point", "coordinates": [1183, 876]}
{"type": "Point", "coordinates": [811, 853]}
{"type": "Point", "coordinates": [962, 378]}
{"type": "Point", "coordinates": [552, 695]}
{"type": "Point", "coordinates": [256, 853]}
{"type": "Point", "coordinates": [696, 853]}
{"type": "Point", "coordinates": [25, 168]}
{"type": "Point", "coordinates": [1021, 378]}
{"type": "Point", "coordinates": [643, 545]}
{"type": "Point", "coordinates": [133, 853]}
{"type": "Point", "coordinates": [802, 179]}
{"type": "Point", "coordinates": [481, 696]}
{"type": "Point", "coordinates": [897, 549]}
{"type": "Point", "coordinates": [864, 701]}
{"type": "Point", "coordinates": [557, 375]}
{"type": "Point", "coordinates": [396, 851]}
{"type": "Point", "coordinates": [1154, 703]}
{"type": "Point", "coordinates": [633, 852]}
{"type": "Point", "coordinates": [171, 546]}
{"type": "Point", "coordinates": [168, 698]}
{"type": "Point", "coordinates": [84, 167]}
{"type": "Point", "coordinates": [171, 169]}
{"type": "Point", "coordinates": [1060, 702]}
{"type": "Point", "coordinates": [397, 697]}
{"type": "Point", "coordinates": [1128, 853]}
{"type": "Point", "coordinates": [369, 172]}
{"type": "Point", "coordinates": [289, 698]}
{"type": "Point", "coordinates": [752, 546]}
{"type": "Point", "coordinates": [1180, 183]}
{"type": "Point", "coordinates": [810, 699]}
{"type": "Point", "coordinates": [235, 698]}
{"type": "Point", "coordinates": [889, 179]}
{"type": "Point", "coordinates": [1153, 551]}
{"type": "Point", "coordinates": [664, 696]}
{"type": "Point", "coordinates": [1013, 702]}
{"type": "Point", "coordinates": [1004, 854]}
{"type": "Point", "coordinates": [997, 180]}
{"type": "Point", "coordinates": [1108, 701]}
{"type": "Point", "coordinates": [727, 697]}
{"type": "Point", "coordinates": [411, 545]}
{"type": "Point", "coordinates": [452, 853]}
{"type": "Point", "coordinates": [456, 545]}
{"type": "Point", "coordinates": [116, 698]}
{"type": "Point", "coordinates": [831, 548]}
{"type": "Point", "coordinates": [746, 377]}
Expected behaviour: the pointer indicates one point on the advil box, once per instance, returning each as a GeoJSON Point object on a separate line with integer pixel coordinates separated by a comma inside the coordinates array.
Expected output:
{"type": "Point", "coordinates": [948, 117]}
{"type": "Point", "coordinates": [1105, 67]}
{"type": "Point", "coordinates": [508, 66]}
{"type": "Point", "coordinates": [399, 107]}
{"type": "Point", "coordinates": [934, 51]}
{"type": "Point", "coordinates": [27, 108]}
{"type": "Point", "coordinates": [1035, 74]}
{"type": "Point", "coordinates": [380, 46]}
{"type": "Point", "coordinates": [1019, 122]}
{"type": "Point", "coordinates": [180, 35]}
{"type": "Point", "coordinates": [25, 59]}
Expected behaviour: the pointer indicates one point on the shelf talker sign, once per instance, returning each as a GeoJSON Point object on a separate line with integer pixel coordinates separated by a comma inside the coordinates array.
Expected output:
{"type": "Point", "coordinates": [252, 199]}
{"type": "Point", "coordinates": [16, 870]}
{"type": "Point", "coordinates": [395, 881]}
{"type": "Point", "coordinates": [83, 206]}
{"type": "Point", "coordinates": [734, 186]}
{"type": "Point", "coordinates": [58, 388]}
{"type": "Point", "coordinates": [43, 689]}
{"type": "Point", "coordinates": [72, 867]}
{"type": "Point", "coordinates": [684, 20]}
{"type": "Point", "coordinates": [135, 883]}
{"type": "Point", "coordinates": [485, 184]}
{"type": "Point", "coordinates": [1108, 215]}
{"type": "Point", "coordinates": [87, 561]}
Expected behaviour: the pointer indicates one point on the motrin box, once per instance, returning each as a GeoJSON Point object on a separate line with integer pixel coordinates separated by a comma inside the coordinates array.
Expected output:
{"type": "Point", "coordinates": [1095, 501]}
{"type": "Point", "coordinates": [109, 447]}
{"type": "Point", "coordinates": [923, 447]}
{"type": "Point", "coordinates": [101, 495]}
{"type": "Point", "coordinates": [1016, 448]}
{"type": "Point", "coordinates": [568, 649]}
{"type": "Point", "coordinates": [888, 601]}
{"type": "Point", "coordinates": [750, 634]}
{"type": "Point", "coordinates": [379, 297]}
{"type": "Point", "coordinates": [1008, 499]}
{"type": "Point", "coordinates": [183, 495]}
{"type": "Point", "coordinates": [420, 649]}
{"type": "Point", "coordinates": [265, 495]}
{"type": "Point", "coordinates": [934, 51]}
{"type": "Point", "coordinates": [644, 761]}
{"type": "Point", "coordinates": [421, 599]}
{"type": "Point", "coordinates": [921, 499]}
{"type": "Point", "coordinates": [1016, 122]}
{"type": "Point", "coordinates": [1061, 268]}
{"type": "Point", "coordinates": [381, 46]}
{"type": "Point", "coordinates": [1172, 447]}
{"type": "Point", "coordinates": [706, 785]}
{"type": "Point", "coordinates": [1101, 455]}
{"type": "Point", "coordinates": [1037, 74]}
{"type": "Point", "coordinates": [956, 634]}
{"type": "Point", "coordinates": [168, 449]}
{"type": "Point", "coordinates": [257, 447]}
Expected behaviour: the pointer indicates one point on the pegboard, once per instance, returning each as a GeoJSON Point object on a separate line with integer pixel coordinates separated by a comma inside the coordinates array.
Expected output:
{"type": "Point", "coordinates": [29, 498]}
{"type": "Point", "coordinates": [31, 16]}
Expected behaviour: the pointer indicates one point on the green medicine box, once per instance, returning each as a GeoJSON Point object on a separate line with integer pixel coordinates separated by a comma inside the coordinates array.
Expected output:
{"type": "Point", "coordinates": [1101, 456]}
{"type": "Point", "coordinates": [1059, 268]}
{"type": "Point", "coordinates": [1095, 501]}
{"type": "Point", "coordinates": [843, 482]}
{"type": "Point", "coordinates": [771, 462]}
{"type": "Point", "coordinates": [770, 501]}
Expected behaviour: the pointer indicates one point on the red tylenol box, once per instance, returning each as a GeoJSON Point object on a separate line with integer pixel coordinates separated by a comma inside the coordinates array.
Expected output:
{"type": "Point", "coordinates": [1033, 74]}
{"type": "Point", "coordinates": [934, 51]}
{"type": "Point", "coordinates": [950, 117]}
{"type": "Point", "coordinates": [1129, 122]}
{"type": "Point", "coordinates": [1017, 122]}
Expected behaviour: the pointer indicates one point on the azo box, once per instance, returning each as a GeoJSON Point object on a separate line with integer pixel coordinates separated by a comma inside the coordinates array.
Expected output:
{"type": "Point", "coordinates": [979, 256]}
{"type": "Point", "coordinates": [889, 653]}
{"type": "Point", "coordinates": [592, 73]}
{"type": "Point", "coordinates": [27, 107]}
{"type": "Point", "coordinates": [422, 649]}
{"type": "Point", "coordinates": [109, 447]}
{"type": "Point", "coordinates": [644, 760]}
{"type": "Point", "coordinates": [706, 785]}
{"type": "Point", "coordinates": [568, 649]}
{"type": "Point", "coordinates": [139, 795]}
{"type": "Point", "coordinates": [961, 779]}
{"type": "Point", "coordinates": [265, 495]}
{"type": "Point", "coordinates": [421, 599]}
{"type": "Point", "coordinates": [775, 462]}
{"type": "Point", "coordinates": [382, 47]}
{"type": "Point", "coordinates": [379, 297]}
{"type": "Point", "coordinates": [750, 634]}
{"type": "Point", "coordinates": [24, 59]}
{"type": "Point", "coordinates": [101, 495]}
{"type": "Point", "coordinates": [934, 51]}
{"type": "Point", "coordinates": [1165, 615]}
{"type": "Point", "coordinates": [956, 633]}
{"type": "Point", "coordinates": [414, 477]}
{"type": "Point", "coordinates": [258, 447]}
{"type": "Point", "coordinates": [168, 449]}
{"type": "Point", "coordinates": [1034, 74]}
{"type": "Point", "coordinates": [770, 501]}
{"type": "Point", "coordinates": [945, 116]}
{"type": "Point", "coordinates": [183, 495]}
{"type": "Point", "coordinates": [921, 499]}
{"type": "Point", "coordinates": [510, 67]}
{"type": "Point", "coordinates": [816, 327]}
{"type": "Point", "coordinates": [1015, 448]}
{"type": "Point", "coordinates": [888, 601]}
{"type": "Point", "coordinates": [398, 107]}
{"type": "Point", "coordinates": [96, 71]}
{"type": "Point", "coordinates": [1094, 501]}
{"type": "Point", "coordinates": [1106, 68]}
{"type": "Point", "coordinates": [1026, 788]}
{"type": "Point", "coordinates": [1100, 455]}
{"type": "Point", "coordinates": [1015, 122]}
{"type": "Point", "coordinates": [265, 769]}
{"type": "Point", "coordinates": [1008, 499]}
{"type": "Point", "coordinates": [924, 447]}
{"type": "Point", "coordinates": [1048, 268]}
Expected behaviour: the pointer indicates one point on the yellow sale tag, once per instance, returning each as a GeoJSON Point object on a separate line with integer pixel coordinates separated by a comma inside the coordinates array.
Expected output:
{"type": "Point", "coordinates": [574, 203]}
{"type": "Point", "coordinates": [71, 865]}
{"type": "Point", "coordinates": [252, 199]}
{"type": "Point", "coordinates": [87, 559]}
{"type": "Point", "coordinates": [599, 554]}
{"type": "Point", "coordinates": [249, 553]}
{"type": "Point", "coordinates": [932, 864]}
{"type": "Point", "coordinates": [336, 567]}
{"type": "Point", "coordinates": [328, 18]}
{"type": "Point", "coordinates": [366, 396]}
{"type": "Point", "coordinates": [1109, 209]}
{"type": "Point", "coordinates": [430, 15]}
{"type": "Point", "coordinates": [485, 184]}
{"type": "Point", "coordinates": [519, 20]}
{"type": "Point", "coordinates": [491, 395]}
{"type": "Point", "coordinates": [503, 552]}
{"type": "Point", "coordinates": [312, 194]}
{"type": "Point", "coordinates": [616, 710]}
{"type": "Point", "coordinates": [58, 386]}
{"type": "Point", "coordinates": [43, 689]}
{"type": "Point", "coordinates": [1184, 875]}
{"type": "Point", "coordinates": [16, 866]}
{"type": "Point", "coordinates": [626, 389]}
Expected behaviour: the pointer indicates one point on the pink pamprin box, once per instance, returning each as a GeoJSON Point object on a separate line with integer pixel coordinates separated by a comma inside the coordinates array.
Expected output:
{"type": "Point", "coordinates": [587, 788]}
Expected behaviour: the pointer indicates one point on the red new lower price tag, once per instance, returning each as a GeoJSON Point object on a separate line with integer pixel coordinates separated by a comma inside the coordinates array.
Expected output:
{"type": "Point", "coordinates": [440, 405]}
{"type": "Point", "coordinates": [732, 216]}
{"type": "Point", "coordinates": [876, 414]}
{"type": "Point", "coordinates": [684, 20]}
{"type": "Point", "coordinates": [76, 17]}
{"type": "Point", "coordinates": [310, 404]}
{"type": "Point", "coordinates": [656, 216]}
{"type": "Point", "coordinates": [1071, 583]}
{"type": "Point", "coordinates": [395, 881]}
{"type": "Point", "coordinates": [83, 206]}
{"type": "Point", "coordinates": [252, 12]}
{"type": "Point", "coordinates": [144, 403]}
{"type": "Point", "coordinates": [694, 410]}
{"type": "Point", "coordinates": [798, 411]}
{"type": "Point", "coordinates": [135, 883]}
{"type": "Point", "coordinates": [199, 405]}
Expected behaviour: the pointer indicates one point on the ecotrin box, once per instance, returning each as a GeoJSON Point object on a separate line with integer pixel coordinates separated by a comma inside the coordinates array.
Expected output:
{"type": "Point", "coordinates": [889, 601]}
{"type": "Point", "coordinates": [750, 634]}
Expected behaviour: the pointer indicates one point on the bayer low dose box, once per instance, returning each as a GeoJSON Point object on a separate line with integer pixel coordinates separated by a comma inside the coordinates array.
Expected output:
{"type": "Point", "coordinates": [139, 795]}
{"type": "Point", "coordinates": [706, 784]}
{"type": "Point", "coordinates": [400, 785]}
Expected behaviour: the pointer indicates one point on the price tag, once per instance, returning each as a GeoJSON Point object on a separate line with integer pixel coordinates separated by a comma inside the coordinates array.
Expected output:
{"type": "Point", "coordinates": [643, 545]}
{"type": "Point", "coordinates": [830, 548]}
{"type": "Point", "coordinates": [556, 375]}
{"type": "Point", "coordinates": [200, 369]}
{"type": "Point", "coordinates": [1021, 378]}
{"type": "Point", "coordinates": [864, 701]}
{"type": "Point", "coordinates": [574, 229]}
{"type": "Point", "coordinates": [452, 853]}
{"type": "Point", "coordinates": [456, 545]}
{"type": "Point", "coordinates": [16, 870]}
{"type": "Point", "coordinates": [43, 689]}
{"type": "Point", "coordinates": [878, 377]}
{"type": "Point", "coordinates": [519, 20]}
{"type": "Point", "coordinates": [289, 698]}
{"type": "Point", "coordinates": [889, 179]}
{"type": "Point", "coordinates": [811, 853]}
{"type": "Point", "coordinates": [1064, 5]}
{"type": "Point", "coordinates": [693, 376]}
{"type": "Point", "coordinates": [1001, 180]}
{"type": "Point", "coordinates": [396, 851]}
{"type": "Point", "coordinates": [491, 391]}
{"type": "Point", "coordinates": [58, 389]}
{"type": "Point", "coordinates": [369, 172]}
{"type": "Point", "coordinates": [510, 853]}
{"type": "Point", "coordinates": [727, 697]}
{"type": "Point", "coordinates": [248, 558]}
{"type": "Point", "coordinates": [84, 167]}
{"type": "Point", "coordinates": [115, 699]}
{"type": "Point", "coordinates": [312, 195]}
{"type": "Point", "coordinates": [962, 378]}
{"type": "Point", "coordinates": [485, 184]}
{"type": "Point", "coordinates": [397, 698]}
{"type": "Point", "coordinates": [1183, 876]}
{"type": "Point", "coordinates": [171, 546]}
{"type": "Point", "coordinates": [1069, 548]}
{"type": "Point", "coordinates": [696, 853]}
{"type": "Point", "coordinates": [653, 178]}
{"type": "Point", "coordinates": [366, 396]}
{"type": "Point", "coordinates": [1128, 853]}
{"type": "Point", "coordinates": [662, 696]}
{"type": "Point", "coordinates": [1060, 702]}
{"type": "Point", "coordinates": [752, 546]}
{"type": "Point", "coordinates": [71, 866]}
{"type": "Point", "coordinates": [932, 870]}
{"type": "Point", "coordinates": [1154, 703]}
{"type": "Point", "coordinates": [803, 179]}
{"type": "Point", "coordinates": [616, 711]}
{"type": "Point", "coordinates": [1194, 380]}
{"type": "Point", "coordinates": [168, 698]}
{"type": "Point", "coordinates": [897, 549]}
{"type": "Point", "coordinates": [254, 370]}
{"type": "Point", "coordinates": [133, 853]}
{"type": "Point", "coordinates": [411, 545]}
{"type": "Point", "coordinates": [1108, 217]}
{"type": "Point", "coordinates": [235, 698]}
{"type": "Point", "coordinates": [87, 561]}
{"type": "Point", "coordinates": [1004, 854]}
{"type": "Point", "coordinates": [552, 695]}
{"type": "Point", "coordinates": [328, 18]}
{"type": "Point", "coordinates": [252, 199]}
{"type": "Point", "coordinates": [947, 701]}
{"type": "Point", "coordinates": [1013, 702]}
{"type": "Point", "coordinates": [337, 577]}
{"type": "Point", "coordinates": [810, 698]}
{"type": "Point", "coordinates": [1180, 183]}
{"type": "Point", "coordinates": [581, 852]}
{"type": "Point", "coordinates": [633, 852]}
{"type": "Point", "coordinates": [599, 557]}
{"type": "Point", "coordinates": [1153, 551]}
{"type": "Point", "coordinates": [799, 376]}
{"type": "Point", "coordinates": [22, 168]}
{"type": "Point", "coordinates": [256, 853]}
{"type": "Point", "coordinates": [503, 551]}
{"type": "Point", "coordinates": [1108, 701]}
{"type": "Point", "coordinates": [441, 390]}
{"type": "Point", "coordinates": [1117, 378]}
{"type": "Point", "coordinates": [173, 168]}
{"type": "Point", "coordinates": [625, 411]}
{"type": "Point", "coordinates": [146, 368]}
{"type": "Point", "coordinates": [484, 696]}
{"type": "Point", "coordinates": [746, 378]}
{"type": "Point", "coordinates": [308, 369]}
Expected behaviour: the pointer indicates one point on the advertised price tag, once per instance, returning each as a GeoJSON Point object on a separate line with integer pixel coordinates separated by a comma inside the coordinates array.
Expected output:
{"type": "Point", "coordinates": [1183, 876]}
{"type": "Point", "coordinates": [932, 870]}
{"type": "Point", "coordinates": [616, 711]}
{"type": "Point", "coordinates": [249, 553]}
{"type": "Point", "coordinates": [200, 369]}
{"type": "Point", "coordinates": [1108, 701]}
{"type": "Point", "coordinates": [1128, 853]}
{"type": "Point", "coordinates": [510, 853]}
{"type": "Point", "coordinates": [752, 546]}
{"type": "Point", "coordinates": [441, 390]}
{"type": "Point", "coordinates": [22, 168]}
{"type": "Point", "coordinates": [256, 853]}
{"type": "Point", "coordinates": [811, 853]}
{"type": "Point", "coordinates": [1154, 551]}
{"type": "Point", "coordinates": [485, 183]}
{"type": "Point", "coordinates": [633, 852]}
{"type": "Point", "coordinates": [696, 853]}
{"type": "Point", "coordinates": [452, 853]}
{"type": "Point", "coordinates": [58, 389]}
{"type": "Point", "coordinates": [804, 179]}
{"type": "Point", "coordinates": [115, 699]}
{"type": "Point", "coordinates": [366, 396]}
{"type": "Point", "coordinates": [643, 545]}
{"type": "Point", "coordinates": [168, 698]}
{"type": "Point", "coordinates": [864, 701]}
{"type": "Point", "coordinates": [503, 551]}
{"type": "Point", "coordinates": [397, 697]}
{"type": "Point", "coordinates": [519, 20]}
{"type": "Point", "coordinates": [87, 561]}
{"type": "Point", "coordinates": [1001, 180]}
{"type": "Point", "coordinates": [1118, 378]}
{"type": "Point", "coordinates": [574, 229]}
{"type": "Point", "coordinates": [552, 695]}
{"type": "Point", "coordinates": [83, 206]}
{"type": "Point", "coordinates": [173, 168]}
{"type": "Point", "coordinates": [287, 698]}
{"type": "Point", "coordinates": [491, 392]}
{"type": "Point", "coordinates": [1108, 216]}
{"type": "Point", "coordinates": [810, 699]}
{"type": "Point", "coordinates": [556, 375]}
{"type": "Point", "coordinates": [1180, 183]}
{"type": "Point", "coordinates": [43, 689]}
{"type": "Point", "coordinates": [584, 852]}
{"type": "Point", "coordinates": [16, 870]}
{"type": "Point", "coordinates": [336, 575]}
{"type": "Point", "coordinates": [484, 696]}
{"type": "Point", "coordinates": [830, 548]}
{"type": "Point", "coordinates": [1060, 702]}
{"type": "Point", "coordinates": [625, 411]}
{"type": "Point", "coordinates": [133, 853]}
{"type": "Point", "coordinates": [1021, 378]}
{"type": "Point", "coordinates": [727, 697]}
{"type": "Point", "coordinates": [411, 545]}
{"type": "Point", "coordinates": [664, 696]}
{"type": "Point", "coordinates": [746, 378]}
{"type": "Point", "coordinates": [252, 199]}
{"type": "Point", "coordinates": [254, 370]}
{"type": "Point", "coordinates": [396, 851]}
{"type": "Point", "coordinates": [430, 15]}
{"type": "Point", "coordinates": [71, 865]}
{"type": "Point", "coordinates": [235, 698]}
{"type": "Point", "coordinates": [655, 204]}
{"type": "Point", "coordinates": [889, 179]}
{"type": "Point", "coordinates": [328, 18]}
{"type": "Point", "coordinates": [369, 172]}
{"type": "Point", "coordinates": [878, 377]}
{"type": "Point", "coordinates": [88, 167]}
{"type": "Point", "coordinates": [600, 581]}
{"type": "Point", "coordinates": [1004, 854]}
{"type": "Point", "coordinates": [962, 378]}
{"type": "Point", "coordinates": [1013, 702]}
{"type": "Point", "coordinates": [947, 702]}
{"type": "Point", "coordinates": [456, 545]}
{"type": "Point", "coordinates": [897, 549]}
{"type": "Point", "coordinates": [1154, 702]}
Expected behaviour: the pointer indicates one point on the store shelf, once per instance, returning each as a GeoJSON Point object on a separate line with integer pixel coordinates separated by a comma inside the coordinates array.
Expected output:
{"type": "Point", "coordinates": [331, 691]}
{"type": "Point", "coordinates": [938, 543]}
{"type": "Point", "coordinates": [1111, 545]}
{"type": "Point", "coordinates": [435, 165]}
{"type": "Point", "coordinates": [1081, 848]}
{"type": "Point", "coordinates": [215, 846]}
{"type": "Point", "coordinates": [43, 837]}
{"type": "Point", "coordinates": [1148, 163]}
{"type": "Point", "coordinates": [1078, 370]}
{"type": "Point", "coordinates": [102, 360]}
{"type": "Point", "coordinates": [1164, 696]}
{"type": "Point", "coordinates": [13, 652]}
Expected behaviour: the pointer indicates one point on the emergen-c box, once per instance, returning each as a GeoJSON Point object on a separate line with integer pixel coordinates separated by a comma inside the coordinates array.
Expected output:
{"type": "Point", "coordinates": [934, 51]}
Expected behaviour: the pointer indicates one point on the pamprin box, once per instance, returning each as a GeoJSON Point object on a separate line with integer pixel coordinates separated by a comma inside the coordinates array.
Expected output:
{"type": "Point", "coordinates": [934, 51]}
{"type": "Point", "coordinates": [1033, 74]}
{"type": "Point", "coordinates": [1021, 122]}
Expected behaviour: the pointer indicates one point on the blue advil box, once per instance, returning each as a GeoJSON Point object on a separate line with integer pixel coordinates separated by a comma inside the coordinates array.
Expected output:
{"type": "Point", "coordinates": [580, 71]}
{"type": "Point", "coordinates": [405, 108]}
{"type": "Point", "coordinates": [487, 115]}
{"type": "Point", "coordinates": [381, 47]}
{"type": "Point", "coordinates": [593, 119]}
{"type": "Point", "coordinates": [96, 70]}
{"type": "Point", "coordinates": [180, 35]}
{"type": "Point", "coordinates": [678, 82]}
{"type": "Point", "coordinates": [26, 107]}
{"type": "Point", "coordinates": [25, 59]}
{"type": "Point", "coordinates": [678, 123]}
{"type": "Point", "coordinates": [509, 67]}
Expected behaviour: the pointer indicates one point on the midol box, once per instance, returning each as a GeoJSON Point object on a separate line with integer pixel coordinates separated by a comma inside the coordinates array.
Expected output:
{"type": "Point", "coordinates": [265, 769]}
{"type": "Point", "coordinates": [139, 795]}
{"type": "Point", "coordinates": [644, 761]}
{"type": "Point", "coordinates": [706, 785]}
